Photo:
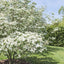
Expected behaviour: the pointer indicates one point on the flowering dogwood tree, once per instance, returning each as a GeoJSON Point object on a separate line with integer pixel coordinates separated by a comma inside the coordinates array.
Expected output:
{"type": "Point", "coordinates": [18, 20]}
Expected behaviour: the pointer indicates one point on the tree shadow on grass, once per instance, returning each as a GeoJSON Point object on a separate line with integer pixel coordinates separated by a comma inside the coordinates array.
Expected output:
{"type": "Point", "coordinates": [46, 60]}
{"type": "Point", "coordinates": [49, 50]}
{"type": "Point", "coordinates": [52, 49]}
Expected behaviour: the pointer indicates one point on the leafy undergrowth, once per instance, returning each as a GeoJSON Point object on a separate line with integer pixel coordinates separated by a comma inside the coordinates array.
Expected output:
{"type": "Point", "coordinates": [54, 55]}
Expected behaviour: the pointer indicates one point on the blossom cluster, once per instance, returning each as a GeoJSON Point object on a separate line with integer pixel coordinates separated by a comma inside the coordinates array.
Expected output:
{"type": "Point", "coordinates": [17, 41]}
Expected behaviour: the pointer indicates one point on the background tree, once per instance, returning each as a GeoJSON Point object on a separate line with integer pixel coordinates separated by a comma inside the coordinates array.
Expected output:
{"type": "Point", "coordinates": [55, 31]}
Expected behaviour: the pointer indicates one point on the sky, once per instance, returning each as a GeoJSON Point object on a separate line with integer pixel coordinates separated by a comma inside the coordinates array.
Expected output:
{"type": "Point", "coordinates": [51, 6]}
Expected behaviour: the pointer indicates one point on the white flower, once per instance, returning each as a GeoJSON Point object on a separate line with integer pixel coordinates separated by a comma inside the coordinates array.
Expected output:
{"type": "Point", "coordinates": [41, 50]}
{"type": "Point", "coordinates": [0, 49]}
{"type": "Point", "coordinates": [56, 29]}
{"type": "Point", "coordinates": [53, 38]}
{"type": "Point", "coordinates": [38, 45]}
{"type": "Point", "coordinates": [23, 8]}
{"type": "Point", "coordinates": [22, 18]}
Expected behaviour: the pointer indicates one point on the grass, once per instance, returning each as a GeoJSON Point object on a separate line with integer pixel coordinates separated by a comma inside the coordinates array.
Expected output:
{"type": "Point", "coordinates": [54, 55]}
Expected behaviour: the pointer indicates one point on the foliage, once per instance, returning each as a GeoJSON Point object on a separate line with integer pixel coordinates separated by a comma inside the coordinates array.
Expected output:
{"type": "Point", "coordinates": [61, 10]}
{"type": "Point", "coordinates": [55, 34]}
{"type": "Point", "coordinates": [20, 24]}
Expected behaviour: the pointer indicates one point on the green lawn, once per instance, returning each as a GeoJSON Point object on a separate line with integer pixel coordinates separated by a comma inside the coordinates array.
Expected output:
{"type": "Point", "coordinates": [54, 55]}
